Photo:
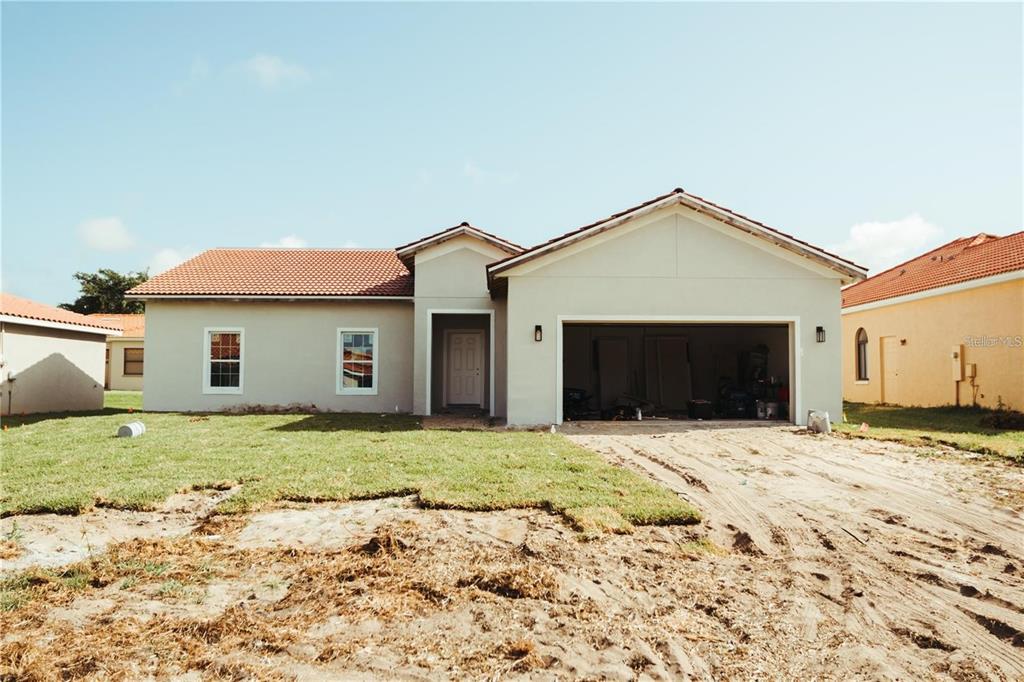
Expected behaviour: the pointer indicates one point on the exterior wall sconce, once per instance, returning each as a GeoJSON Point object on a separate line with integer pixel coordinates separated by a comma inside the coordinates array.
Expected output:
{"type": "Point", "coordinates": [538, 333]}
{"type": "Point", "coordinates": [820, 334]}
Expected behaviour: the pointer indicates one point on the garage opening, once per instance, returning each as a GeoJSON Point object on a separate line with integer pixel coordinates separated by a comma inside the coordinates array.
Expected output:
{"type": "Point", "coordinates": [676, 371]}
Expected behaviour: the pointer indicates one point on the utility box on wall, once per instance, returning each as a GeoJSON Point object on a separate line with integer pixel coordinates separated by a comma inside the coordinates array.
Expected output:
{"type": "Point", "coordinates": [958, 363]}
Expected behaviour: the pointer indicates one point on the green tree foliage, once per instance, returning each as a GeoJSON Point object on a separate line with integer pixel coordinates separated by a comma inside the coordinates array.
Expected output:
{"type": "Point", "coordinates": [103, 292]}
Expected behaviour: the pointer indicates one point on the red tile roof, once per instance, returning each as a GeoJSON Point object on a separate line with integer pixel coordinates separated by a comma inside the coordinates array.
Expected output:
{"type": "Point", "coordinates": [16, 306]}
{"type": "Point", "coordinates": [284, 272]}
{"type": "Point", "coordinates": [961, 260]}
{"type": "Point", "coordinates": [678, 191]}
{"type": "Point", "coordinates": [133, 325]}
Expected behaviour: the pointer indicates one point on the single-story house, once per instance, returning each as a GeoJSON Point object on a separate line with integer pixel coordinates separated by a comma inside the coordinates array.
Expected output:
{"type": "Point", "coordinates": [51, 360]}
{"type": "Point", "coordinates": [945, 328]}
{"type": "Point", "coordinates": [125, 353]}
{"type": "Point", "coordinates": [674, 300]}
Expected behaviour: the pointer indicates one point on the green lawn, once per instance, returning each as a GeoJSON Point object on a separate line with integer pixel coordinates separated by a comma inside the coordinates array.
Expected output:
{"type": "Point", "coordinates": [70, 463]}
{"type": "Point", "coordinates": [122, 400]}
{"type": "Point", "coordinates": [956, 426]}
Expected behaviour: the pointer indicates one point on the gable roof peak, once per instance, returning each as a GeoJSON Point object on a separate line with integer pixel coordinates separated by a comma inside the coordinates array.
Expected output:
{"type": "Point", "coordinates": [408, 251]}
{"type": "Point", "coordinates": [848, 269]}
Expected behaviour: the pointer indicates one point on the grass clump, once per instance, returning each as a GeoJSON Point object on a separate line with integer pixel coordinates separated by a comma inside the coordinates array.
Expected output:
{"type": "Point", "coordinates": [959, 427]}
{"type": "Point", "coordinates": [70, 463]}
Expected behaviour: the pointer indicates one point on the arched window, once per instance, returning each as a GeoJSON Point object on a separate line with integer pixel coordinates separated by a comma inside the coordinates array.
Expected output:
{"type": "Point", "coordinates": [862, 355]}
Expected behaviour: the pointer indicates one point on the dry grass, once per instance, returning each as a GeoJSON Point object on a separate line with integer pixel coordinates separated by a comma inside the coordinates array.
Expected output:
{"type": "Point", "coordinates": [386, 579]}
{"type": "Point", "coordinates": [9, 549]}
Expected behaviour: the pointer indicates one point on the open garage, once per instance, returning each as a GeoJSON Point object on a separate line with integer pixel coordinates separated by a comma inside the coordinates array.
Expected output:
{"type": "Point", "coordinates": [619, 370]}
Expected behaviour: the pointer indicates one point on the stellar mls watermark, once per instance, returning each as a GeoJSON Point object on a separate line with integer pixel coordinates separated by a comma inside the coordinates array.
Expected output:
{"type": "Point", "coordinates": [990, 341]}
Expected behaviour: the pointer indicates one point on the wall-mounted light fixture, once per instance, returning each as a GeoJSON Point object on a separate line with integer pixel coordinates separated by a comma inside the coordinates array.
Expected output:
{"type": "Point", "coordinates": [538, 333]}
{"type": "Point", "coordinates": [820, 334]}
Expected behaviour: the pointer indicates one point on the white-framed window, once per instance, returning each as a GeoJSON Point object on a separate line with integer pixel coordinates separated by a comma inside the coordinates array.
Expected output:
{"type": "Point", "coordinates": [223, 359]}
{"type": "Point", "coordinates": [358, 361]}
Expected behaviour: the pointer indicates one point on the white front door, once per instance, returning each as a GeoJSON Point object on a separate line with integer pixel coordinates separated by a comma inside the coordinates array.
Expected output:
{"type": "Point", "coordinates": [465, 380]}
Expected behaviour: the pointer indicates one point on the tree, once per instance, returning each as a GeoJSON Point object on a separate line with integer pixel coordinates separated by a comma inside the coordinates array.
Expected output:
{"type": "Point", "coordinates": [103, 292]}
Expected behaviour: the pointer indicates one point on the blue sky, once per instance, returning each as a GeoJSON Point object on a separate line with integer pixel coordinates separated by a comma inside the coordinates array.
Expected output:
{"type": "Point", "coordinates": [135, 135]}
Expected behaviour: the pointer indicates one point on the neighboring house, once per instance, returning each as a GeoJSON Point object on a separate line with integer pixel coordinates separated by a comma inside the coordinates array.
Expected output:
{"type": "Point", "coordinates": [125, 353]}
{"type": "Point", "coordinates": [51, 360]}
{"type": "Point", "coordinates": [671, 300]}
{"type": "Point", "coordinates": [946, 328]}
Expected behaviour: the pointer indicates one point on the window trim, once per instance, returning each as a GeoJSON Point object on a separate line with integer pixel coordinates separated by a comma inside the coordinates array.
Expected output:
{"type": "Point", "coordinates": [125, 361]}
{"type": "Point", "coordinates": [223, 390]}
{"type": "Point", "coordinates": [342, 390]}
{"type": "Point", "coordinates": [860, 360]}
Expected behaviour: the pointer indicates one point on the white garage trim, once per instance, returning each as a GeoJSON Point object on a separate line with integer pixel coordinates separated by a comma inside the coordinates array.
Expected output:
{"type": "Point", "coordinates": [430, 353]}
{"type": "Point", "coordinates": [795, 351]}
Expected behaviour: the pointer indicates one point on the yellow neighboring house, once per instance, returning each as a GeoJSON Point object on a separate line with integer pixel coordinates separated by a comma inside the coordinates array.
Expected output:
{"type": "Point", "coordinates": [946, 328]}
{"type": "Point", "coordinates": [125, 352]}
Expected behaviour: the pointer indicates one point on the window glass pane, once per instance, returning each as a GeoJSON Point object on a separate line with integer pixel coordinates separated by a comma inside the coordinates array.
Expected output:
{"type": "Point", "coordinates": [357, 347]}
{"type": "Point", "coordinates": [225, 346]}
{"type": "Point", "coordinates": [132, 362]}
{"type": "Point", "coordinates": [225, 374]}
{"type": "Point", "coordinates": [357, 375]}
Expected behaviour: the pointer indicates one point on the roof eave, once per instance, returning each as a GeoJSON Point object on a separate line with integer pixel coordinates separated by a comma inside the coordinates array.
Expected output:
{"type": "Point", "coordinates": [64, 326]}
{"type": "Point", "coordinates": [267, 297]}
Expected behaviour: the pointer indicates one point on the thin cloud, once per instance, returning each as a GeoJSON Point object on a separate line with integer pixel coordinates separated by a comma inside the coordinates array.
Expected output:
{"type": "Point", "coordinates": [200, 69]}
{"type": "Point", "coordinates": [289, 242]}
{"type": "Point", "coordinates": [880, 245]}
{"type": "Point", "coordinates": [106, 234]}
{"type": "Point", "coordinates": [198, 72]}
{"type": "Point", "coordinates": [165, 259]}
{"type": "Point", "coordinates": [481, 176]}
{"type": "Point", "coordinates": [271, 72]}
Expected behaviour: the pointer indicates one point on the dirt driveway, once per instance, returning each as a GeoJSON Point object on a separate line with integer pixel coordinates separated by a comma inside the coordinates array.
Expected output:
{"type": "Point", "coordinates": [911, 559]}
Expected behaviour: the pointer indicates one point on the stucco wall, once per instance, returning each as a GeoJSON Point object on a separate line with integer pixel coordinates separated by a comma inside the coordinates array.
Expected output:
{"type": "Point", "coordinates": [54, 370]}
{"type": "Point", "coordinates": [453, 276]}
{"type": "Point", "coordinates": [932, 327]}
{"type": "Point", "coordinates": [670, 264]}
{"type": "Point", "coordinates": [118, 380]}
{"type": "Point", "coordinates": [290, 353]}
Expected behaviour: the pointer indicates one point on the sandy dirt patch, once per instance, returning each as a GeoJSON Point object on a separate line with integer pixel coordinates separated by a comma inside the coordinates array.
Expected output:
{"type": "Point", "coordinates": [902, 561]}
{"type": "Point", "coordinates": [58, 539]}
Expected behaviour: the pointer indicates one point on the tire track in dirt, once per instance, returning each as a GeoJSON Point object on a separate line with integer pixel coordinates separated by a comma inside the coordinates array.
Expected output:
{"type": "Point", "coordinates": [883, 551]}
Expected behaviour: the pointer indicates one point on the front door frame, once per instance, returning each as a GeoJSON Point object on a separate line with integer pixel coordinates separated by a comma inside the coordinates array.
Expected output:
{"type": "Point", "coordinates": [430, 353]}
{"type": "Point", "coordinates": [444, 363]}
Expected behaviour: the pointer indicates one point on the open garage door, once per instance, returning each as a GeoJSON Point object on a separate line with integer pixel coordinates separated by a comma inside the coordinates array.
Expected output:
{"type": "Point", "coordinates": [677, 371]}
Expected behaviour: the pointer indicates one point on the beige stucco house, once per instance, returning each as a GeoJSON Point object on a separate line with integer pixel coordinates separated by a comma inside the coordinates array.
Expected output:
{"type": "Point", "coordinates": [125, 353]}
{"type": "Point", "coordinates": [944, 328]}
{"type": "Point", "coordinates": [671, 301]}
{"type": "Point", "coordinates": [51, 360]}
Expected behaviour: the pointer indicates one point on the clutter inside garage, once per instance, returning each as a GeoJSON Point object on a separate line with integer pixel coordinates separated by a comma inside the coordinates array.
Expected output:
{"type": "Point", "coordinates": [694, 371]}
